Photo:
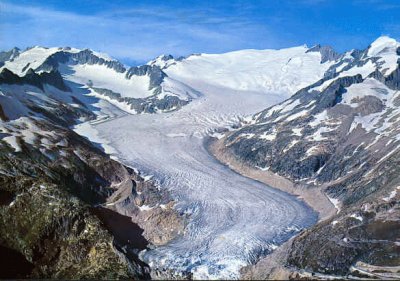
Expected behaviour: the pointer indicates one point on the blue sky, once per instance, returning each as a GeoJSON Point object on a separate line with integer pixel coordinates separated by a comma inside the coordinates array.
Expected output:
{"type": "Point", "coordinates": [136, 31]}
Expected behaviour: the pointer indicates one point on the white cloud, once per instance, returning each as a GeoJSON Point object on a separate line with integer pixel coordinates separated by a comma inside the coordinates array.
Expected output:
{"type": "Point", "coordinates": [139, 34]}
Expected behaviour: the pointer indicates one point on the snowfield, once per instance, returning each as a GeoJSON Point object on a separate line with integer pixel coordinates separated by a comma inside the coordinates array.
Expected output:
{"type": "Point", "coordinates": [31, 58]}
{"type": "Point", "coordinates": [232, 219]}
{"type": "Point", "coordinates": [103, 77]}
{"type": "Point", "coordinates": [263, 71]}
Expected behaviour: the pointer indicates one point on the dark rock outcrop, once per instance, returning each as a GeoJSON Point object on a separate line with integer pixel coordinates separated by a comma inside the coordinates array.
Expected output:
{"type": "Point", "coordinates": [327, 53]}
{"type": "Point", "coordinates": [150, 104]}
{"type": "Point", "coordinates": [8, 55]}
{"type": "Point", "coordinates": [52, 78]}
{"type": "Point", "coordinates": [83, 57]}
{"type": "Point", "coordinates": [154, 72]}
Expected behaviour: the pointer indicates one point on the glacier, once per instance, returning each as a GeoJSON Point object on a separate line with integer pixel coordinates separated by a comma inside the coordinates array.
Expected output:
{"type": "Point", "coordinates": [232, 220]}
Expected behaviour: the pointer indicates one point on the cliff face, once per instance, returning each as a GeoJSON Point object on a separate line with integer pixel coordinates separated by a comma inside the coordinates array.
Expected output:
{"type": "Point", "coordinates": [46, 209]}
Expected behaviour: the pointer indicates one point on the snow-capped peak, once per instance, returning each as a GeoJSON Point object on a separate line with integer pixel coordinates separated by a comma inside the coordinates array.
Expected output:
{"type": "Point", "coordinates": [34, 57]}
{"type": "Point", "coordinates": [386, 49]}
{"type": "Point", "coordinates": [383, 43]}
{"type": "Point", "coordinates": [162, 61]}
{"type": "Point", "coordinates": [102, 56]}
{"type": "Point", "coordinates": [30, 58]}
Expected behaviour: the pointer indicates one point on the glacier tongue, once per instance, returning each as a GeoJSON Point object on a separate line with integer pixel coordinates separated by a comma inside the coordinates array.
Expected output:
{"type": "Point", "coordinates": [232, 220]}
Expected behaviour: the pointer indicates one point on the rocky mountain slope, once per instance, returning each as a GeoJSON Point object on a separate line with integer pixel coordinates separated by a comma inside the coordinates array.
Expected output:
{"type": "Point", "coordinates": [342, 135]}
{"type": "Point", "coordinates": [50, 179]}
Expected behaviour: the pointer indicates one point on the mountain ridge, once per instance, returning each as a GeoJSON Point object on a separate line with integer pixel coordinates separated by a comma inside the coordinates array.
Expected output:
{"type": "Point", "coordinates": [339, 135]}
{"type": "Point", "coordinates": [333, 127]}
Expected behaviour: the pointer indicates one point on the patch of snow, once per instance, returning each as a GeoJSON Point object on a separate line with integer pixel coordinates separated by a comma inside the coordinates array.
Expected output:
{"type": "Point", "coordinates": [355, 216]}
{"type": "Point", "coordinates": [291, 144]}
{"type": "Point", "coordinates": [103, 77]}
{"type": "Point", "coordinates": [145, 208]}
{"type": "Point", "coordinates": [263, 168]}
{"type": "Point", "coordinates": [26, 129]}
{"type": "Point", "coordinates": [312, 151]}
{"type": "Point", "coordinates": [147, 177]}
{"type": "Point", "coordinates": [358, 147]}
{"type": "Point", "coordinates": [364, 70]}
{"type": "Point", "coordinates": [323, 86]}
{"type": "Point", "coordinates": [311, 103]}
{"type": "Point", "coordinates": [250, 119]}
{"type": "Point", "coordinates": [319, 118]}
{"type": "Point", "coordinates": [297, 115]}
{"type": "Point", "coordinates": [389, 154]}
{"type": "Point", "coordinates": [161, 62]}
{"type": "Point", "coordinates": [268, 136]}
{"type": "Point", "coordinates": [290, 106]}
{"type": "Point", "coordinates": [278, 107]}
{"type": "Point", "coordinates": [12, 141]}
{"type": "Point", "coordinates": [247, 135]}
{"type": "Point", "coordinates": [12, 97]}
{"type": "Point", "coordinates": [217, 135]}
{"type": "Point", "coordinates": [281, 117]}
{"type": "Point", "coordinates": [317, 136]}
{"type": "Point", "coordinates": [369, 87]}
{"type": "Point", "coordinates": [125, 106]}
{"type": "Point", "coordinates": [340, 67]}
{"type": "Point", "coordinates": [391, 195]}
{"type": "Point", "coordinates": [335, 203]}
{"type": "Point", "coordinates": [297, 131]}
